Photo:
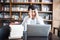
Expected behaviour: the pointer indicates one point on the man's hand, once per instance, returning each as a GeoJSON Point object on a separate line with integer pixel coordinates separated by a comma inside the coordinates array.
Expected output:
{"type": "Point", "coordinates": [36, 13]}
{"type": "Point", "coordinates": [30, 13]}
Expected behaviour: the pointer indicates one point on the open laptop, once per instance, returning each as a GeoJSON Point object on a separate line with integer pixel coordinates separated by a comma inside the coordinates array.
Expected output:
{"type": "Point", "coordinates": [38, 30]}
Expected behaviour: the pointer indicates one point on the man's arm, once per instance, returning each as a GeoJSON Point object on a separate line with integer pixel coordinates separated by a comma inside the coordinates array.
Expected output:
{"type": "Point", "coordinates": [40, 20]}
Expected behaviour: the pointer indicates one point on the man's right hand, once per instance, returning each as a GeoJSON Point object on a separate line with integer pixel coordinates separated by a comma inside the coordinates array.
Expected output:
{"type": "Point", "coordinates": [30, 13]}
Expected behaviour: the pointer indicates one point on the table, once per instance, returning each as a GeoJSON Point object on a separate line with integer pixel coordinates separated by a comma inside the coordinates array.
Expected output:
{"type": "Point", "coordinates": [50, 37]}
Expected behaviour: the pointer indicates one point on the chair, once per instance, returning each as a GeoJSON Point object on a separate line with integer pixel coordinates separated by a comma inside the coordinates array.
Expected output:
{"type": "Point", "coordinates": [4, 32]}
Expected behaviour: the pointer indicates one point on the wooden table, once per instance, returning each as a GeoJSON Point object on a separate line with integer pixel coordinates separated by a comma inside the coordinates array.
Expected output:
{"type": "Point", "coordinates": [50, 37]}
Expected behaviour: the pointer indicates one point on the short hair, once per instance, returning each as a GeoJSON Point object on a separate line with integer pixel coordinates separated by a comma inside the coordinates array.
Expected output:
{"type": "Point", "coordinates": [31, 7]}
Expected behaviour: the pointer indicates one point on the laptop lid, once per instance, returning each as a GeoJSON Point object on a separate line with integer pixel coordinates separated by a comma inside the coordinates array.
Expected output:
{"type": "Point", "coordinates": [38, 30]}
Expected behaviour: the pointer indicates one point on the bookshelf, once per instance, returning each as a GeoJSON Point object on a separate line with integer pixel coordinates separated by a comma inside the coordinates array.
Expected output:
{"type": "Point", "coordinates": [17, 9]}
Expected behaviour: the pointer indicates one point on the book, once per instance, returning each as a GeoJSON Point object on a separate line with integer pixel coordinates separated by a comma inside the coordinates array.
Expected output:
{"type": "Point", "coordinates": [44, 15]}
{"type": "Point", "coordinates": [6, 8]}
{"type": "Point", "coordinates": [37, 1]}
{"type": "Point", "coordinates": [6, 15]}
{"type": "Point", "coordinates": [21, 0]}
{"type": "Point", "coordinates": [46, 0]}
{"type": "Point", "coordinates": [14, 1]}
{"type": "Point", "coordinates": [7, 0]}
{"type": "Point", "coordinates": [18, 0]}
{"type": "Point", "coordinates": [15, 8]}
{"type": "Point", "coordinates": [1, 0]}
{"type": "Point", "coordinates": [47, 16]}
{"type": "Point", "coordinates": [45, 8]}
{"type": "Point", "coordinates": [23, 7]}
{"type": "Point", "coordinates": [1, 15]}
{"type": "Point", "coordinates": [34, 1]}
{"type": "Point", "coordinates": [38, 7]}
{"type": "Point", "coordinates": [50, 17]}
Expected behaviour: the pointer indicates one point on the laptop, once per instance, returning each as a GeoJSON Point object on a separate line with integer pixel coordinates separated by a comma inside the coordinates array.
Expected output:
{"type": "Point", "coordinates": [38, 30]}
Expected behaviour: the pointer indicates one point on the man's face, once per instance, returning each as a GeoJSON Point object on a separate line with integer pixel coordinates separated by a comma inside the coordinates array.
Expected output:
{"type": "Point", "coordinates": [33, 13]}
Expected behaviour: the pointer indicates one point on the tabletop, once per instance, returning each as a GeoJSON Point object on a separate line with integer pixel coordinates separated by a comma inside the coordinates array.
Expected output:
{"type": "Point", "coordinates": [50, 37]}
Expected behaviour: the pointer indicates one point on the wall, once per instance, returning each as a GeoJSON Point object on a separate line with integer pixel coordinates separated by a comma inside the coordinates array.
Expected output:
{"type": "Point", "coordinates": [56, 13]}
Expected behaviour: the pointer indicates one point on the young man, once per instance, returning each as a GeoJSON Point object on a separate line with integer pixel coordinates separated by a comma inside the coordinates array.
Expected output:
{"type": "Point", "coordinates": [32, 18]}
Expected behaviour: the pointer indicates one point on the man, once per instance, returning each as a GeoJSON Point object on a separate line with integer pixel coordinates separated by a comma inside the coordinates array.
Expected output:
{"type": "Point", "coordinates": [32, 18]}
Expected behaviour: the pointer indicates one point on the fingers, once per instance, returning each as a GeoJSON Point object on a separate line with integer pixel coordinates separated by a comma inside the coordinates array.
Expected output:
{"type": "Point", "coordinates": [36, 12]}
{"type": "Point", "coordinates": [30, 12]}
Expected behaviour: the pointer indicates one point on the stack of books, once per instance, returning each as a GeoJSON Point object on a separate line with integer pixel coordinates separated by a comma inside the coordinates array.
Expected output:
{"type": "Point", "coordinates": [46, 16]}
{"type": "Point", "coordinates": [5, 1]}
{"type": "Point", "coordinates": [6, 8]}
{"type": "Point", "coordinates": [8, 1]}
{"type": "Point", "coordinates": [45, 8]}
{"type": "Point", "coordinates": [46, 0]}
{"type": "Point", "coordinates": [25, 0]}
{"type": "Point", "coordinates": [20, 8]}
{"type": "Point", "coordinates": [34, 1]}
{"type": "Point", "coordinates": [6, 15]}
{"type": "Point", "coordinates": [15, 16]}
{"type": "Point", "coordinates": [23, 7]}
{"type": "Point", "coordinates": [50, 17]}
{"type": "Point", "coordinates": [14, 1]}
{"type": "Point", "coordinates": [15, 8]}
{"type": "Point", "coordinates": [38, 7]}
{"type": "Point", "coordinates": [19, 1]}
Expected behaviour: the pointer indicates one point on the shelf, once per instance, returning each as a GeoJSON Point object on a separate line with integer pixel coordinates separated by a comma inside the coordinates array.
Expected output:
{"type": "Point", "coordinates": [38, 11]}
{"type": "Point", "coordinates": [5, 11]}
{"type": "Point", "coordinates": [27, 11]}
{"type": "Point", "coordinates": [5, 3]}
{"type": "Point", "coordinates": [23, 11]}
{"type": "Point", "coordinates": [36, 3]}
{"type": "Point", "coordinates": [31, 3]}
{"type": "Point", "coordinates": [47, 3]}
{"type": "Point", "coordinates": [19, 11]}
{"type": "Point", "coordinates": [45, 11]}
{"type": "Point", "coordinates": [41, 3]}
{"type": "Point", "coordinates": [15, 11]}
{"type": "Point", "coordinates": [21, 3]}
{"type": "Point", "coordinates": [48, 20]}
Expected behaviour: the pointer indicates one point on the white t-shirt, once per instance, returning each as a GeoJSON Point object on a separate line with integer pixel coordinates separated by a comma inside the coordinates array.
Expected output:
{"type": "Point", "coordinates": [28, 20]}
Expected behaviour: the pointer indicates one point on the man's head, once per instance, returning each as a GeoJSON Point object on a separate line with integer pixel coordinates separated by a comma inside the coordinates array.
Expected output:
{"type": "Point", "coordinates": [32, 11]}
